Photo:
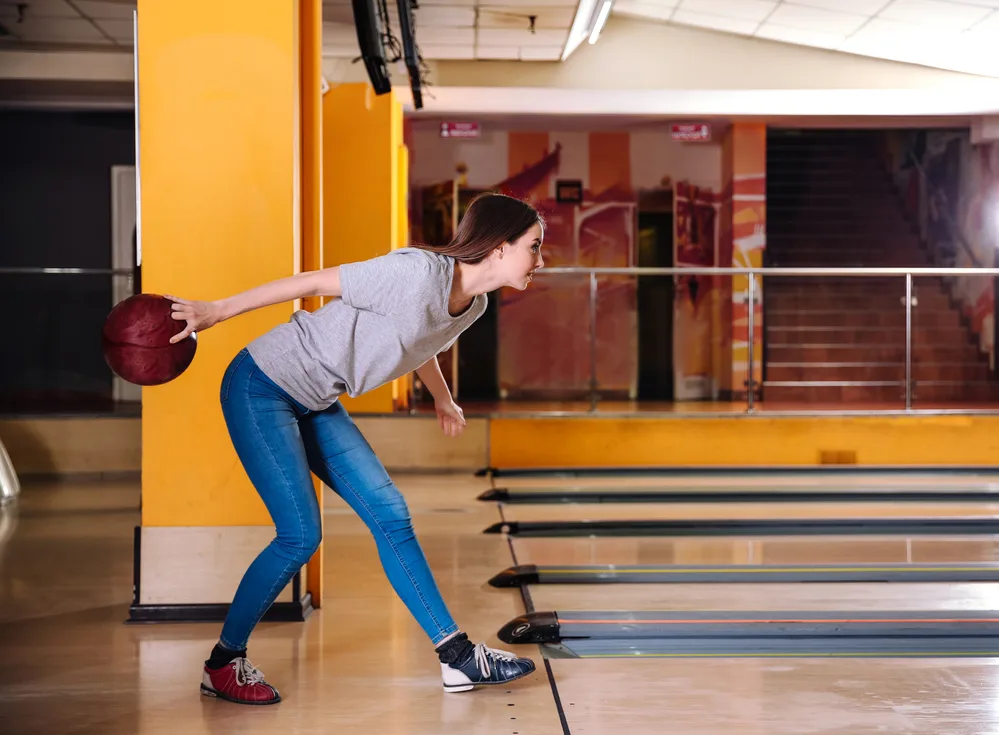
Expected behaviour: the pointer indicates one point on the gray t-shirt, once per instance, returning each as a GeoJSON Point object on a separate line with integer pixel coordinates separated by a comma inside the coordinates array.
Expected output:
{"type": "Point", "coordinates": [392, 317]}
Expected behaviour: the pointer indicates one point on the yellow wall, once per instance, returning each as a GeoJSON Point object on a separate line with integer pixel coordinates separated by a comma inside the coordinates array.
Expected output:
{"type": "Point", "coordinates": [220, 157]}
{"type": "Point", "coordinates": [363, 184]}
{"type": "Point", "coordinates": [745, 441]}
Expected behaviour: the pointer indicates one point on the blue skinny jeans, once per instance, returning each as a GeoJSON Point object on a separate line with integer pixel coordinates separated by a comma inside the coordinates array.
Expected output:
{"type": "Point", "coordinates": [280, 442]}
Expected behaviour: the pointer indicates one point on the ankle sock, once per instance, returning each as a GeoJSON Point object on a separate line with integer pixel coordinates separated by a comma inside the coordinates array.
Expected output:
{"type": "Point", "coordinates": [222, 655]}
{"type": "Point", "coordinates": [456, 649]}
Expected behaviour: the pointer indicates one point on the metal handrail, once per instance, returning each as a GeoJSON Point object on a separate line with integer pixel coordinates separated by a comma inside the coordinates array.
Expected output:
{"type": "Point", "coordinates": [39, 271]}
{"type": "Point", "coordinates": [763, 271]}
{"type": "Point", "coordinates": [616, 271]}
{"type": "Point", "coordinates": [751, 296]}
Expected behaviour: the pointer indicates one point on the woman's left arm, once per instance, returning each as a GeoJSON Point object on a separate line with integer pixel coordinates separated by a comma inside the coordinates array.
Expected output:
{"type": "Point", "coordinates": [451, 417]}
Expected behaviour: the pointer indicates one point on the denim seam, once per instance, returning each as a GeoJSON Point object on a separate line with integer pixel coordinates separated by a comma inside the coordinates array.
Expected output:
{"type": "Point", "coordinates": [301, 523]}
{"type": "Point", "coordinates": [231, 374]}
{"type": "Point", "coordinates": [388, 537]}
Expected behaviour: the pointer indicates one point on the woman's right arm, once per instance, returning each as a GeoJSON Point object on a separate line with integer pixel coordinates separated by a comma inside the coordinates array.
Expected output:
{"type": "Point", "coordinates": [201, 315]}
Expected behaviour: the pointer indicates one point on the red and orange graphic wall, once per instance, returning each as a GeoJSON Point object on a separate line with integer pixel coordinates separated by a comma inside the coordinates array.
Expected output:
{"type": "Point", "coordinates": [745, 154]}
{"type": "Point", "coordinates": [545, 343]}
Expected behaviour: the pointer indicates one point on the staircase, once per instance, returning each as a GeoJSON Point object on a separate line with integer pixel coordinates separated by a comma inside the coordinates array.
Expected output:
{"type": "Point", "coordinates": [841, 340]}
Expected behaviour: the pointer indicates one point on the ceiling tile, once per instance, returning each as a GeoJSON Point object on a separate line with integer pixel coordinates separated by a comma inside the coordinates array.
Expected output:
{"type": "Point", "coordinates": [498, 16]}
{"type": "Point", "coordinates": [743, 9]}
{"type": "Point", "coordinates": [432, 36]}
{"type": "Point", "coordinates": [339, 34]}
{"type": "Point", "coordinates": [98, 9]}
{"type": "Point", "coordinates": [816, 20]}
{"type": "Point", "coordinates": [541, 53]}
{"type": "Point", "coordinates": [645, 9]}
{"type": "Point", "coordinates": [989, 25]}
{"type": "Point", "coordinates": [504, 37]}
{"type": "Point", "coordinates": [899, 41]}
{"type": "Point", "coordinates": [497, 53]}
{"type": "Point", "coordinates": [338, 14]}
{"type": "Point", "coordinates": [941, 15]}
{"type": "Point", "coordinates": [119, 30]}
{"type": "Point", "coordinates": [528, 5]}
{"type": "Point", "coordinates": [337, 51]}
{"type": "Point", "coordinates": [440, 15]}
{"type": "Point", "coordinates": [448, 52]}
{"type": "Point", "coordinates": [860, 7]}
{"type": "Point", "coordinates": [36, 9]}
{"type": "Point", "coordinates": [801, 37]}
{"type": "Point", "coordinates": [59, 30]}
{"type": "Point", "coordinates": [715, 22]}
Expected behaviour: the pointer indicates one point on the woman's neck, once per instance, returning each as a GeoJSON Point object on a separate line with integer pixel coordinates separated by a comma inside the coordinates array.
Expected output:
{"type": "Point", "coordinates": [470, 280]}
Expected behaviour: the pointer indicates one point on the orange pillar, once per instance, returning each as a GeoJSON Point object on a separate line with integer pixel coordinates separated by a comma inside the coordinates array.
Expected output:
{"type": "Point", "coordinates": [228, 104]}
{"type": "Point", "coordinates": [364, 208]}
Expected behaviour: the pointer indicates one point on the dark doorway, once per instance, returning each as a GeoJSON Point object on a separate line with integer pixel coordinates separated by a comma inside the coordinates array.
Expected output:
{"type": "Point", "coordinates": [655, 308]}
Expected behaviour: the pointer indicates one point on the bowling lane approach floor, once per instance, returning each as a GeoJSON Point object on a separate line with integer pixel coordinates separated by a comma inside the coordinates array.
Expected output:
{"type": "Point", "coordinates": [847, 696]}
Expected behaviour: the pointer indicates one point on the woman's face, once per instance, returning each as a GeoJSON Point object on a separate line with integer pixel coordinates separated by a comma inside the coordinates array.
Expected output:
{"type": "Point", "coordinates": [522, 257]}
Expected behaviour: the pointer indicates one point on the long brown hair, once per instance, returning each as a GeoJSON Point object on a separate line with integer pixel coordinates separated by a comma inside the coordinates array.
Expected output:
{"type": "Point", "coordinates": [490, 220]}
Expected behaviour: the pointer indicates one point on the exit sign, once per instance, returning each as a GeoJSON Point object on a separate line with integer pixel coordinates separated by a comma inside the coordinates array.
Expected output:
{"type": "Point", "coordinates": [459, 130]}
{"type": "Point", "coordinates": [691, 133]}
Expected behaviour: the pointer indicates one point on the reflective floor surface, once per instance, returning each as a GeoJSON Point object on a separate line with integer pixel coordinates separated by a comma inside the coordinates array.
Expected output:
{"type": "Point", "coordinates": [361, 665]}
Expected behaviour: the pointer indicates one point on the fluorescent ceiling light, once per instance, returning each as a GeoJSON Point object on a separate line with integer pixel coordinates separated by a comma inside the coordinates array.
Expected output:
{"type": "Point", "coordinates": [601, 20]}
{"type": "Point", "coordinates": [589, 21]}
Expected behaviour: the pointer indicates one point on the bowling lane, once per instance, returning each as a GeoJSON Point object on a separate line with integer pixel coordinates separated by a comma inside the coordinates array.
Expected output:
{"type": "Point", "coordinates": [820, 550]}
{"type": "Point", "coordinates": [882, 482]}
{"type": "Point", "coordinates": [780, 697]}
{"type": "Point", "coordinates": [705, 511]}
{"type": "Point", "coordinates": [767, 597]}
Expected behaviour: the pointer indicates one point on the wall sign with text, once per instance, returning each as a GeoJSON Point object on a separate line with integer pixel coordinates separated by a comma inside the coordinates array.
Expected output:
{"type": "Point", "coordinates": [691, 133]}
{"type": "Point", "coordinates": [459, 130]}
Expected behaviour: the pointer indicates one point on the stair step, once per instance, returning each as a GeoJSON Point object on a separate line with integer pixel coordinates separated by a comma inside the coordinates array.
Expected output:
{"type": "Point", "coordinates": [860, 336]}
{"type": "Point", "coordinates": [846, 199]}
{"type": "Point", "coordinates": [874, 371]}
{"type": "Point", "coordinates": [865, 353]}
{"type": "Point", "coordinates": [959, 392]}
{"type": "Point", "coordinates": [833, 239]}
{"type": "Point", "coordinates": [784, 211]}
{"type": "Point", "coordinates": [781, 286]}
{"type": "Point", "coordinates": [858, 283]}
{"type": "Point", "coordinates": [856, 318]}
{"type": "Point", "coordinates": [832, 393]}
{"type": "Point", "coordinates": [880, 301]}
{"type": "Point", "coordinates": [841, 262]}
{"type": "Point", "coordinates": [810, 166]}
{"type": "Point", "coordinates": [807, 228]}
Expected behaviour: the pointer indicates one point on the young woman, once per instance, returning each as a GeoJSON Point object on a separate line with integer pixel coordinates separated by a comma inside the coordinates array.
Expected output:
{"type": "Point", "coordinates": [389, 316]}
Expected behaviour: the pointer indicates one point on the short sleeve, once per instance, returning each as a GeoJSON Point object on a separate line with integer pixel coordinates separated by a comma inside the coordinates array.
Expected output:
{"type": "Point", "coordinates": [384, 284]}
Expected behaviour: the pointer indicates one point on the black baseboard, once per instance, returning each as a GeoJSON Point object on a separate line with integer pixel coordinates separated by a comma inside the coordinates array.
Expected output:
{"type": "Point", "coordinates": [279, 612]}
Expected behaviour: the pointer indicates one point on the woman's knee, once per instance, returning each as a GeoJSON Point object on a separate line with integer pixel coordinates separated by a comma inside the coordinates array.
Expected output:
{"type": "Point", "coordinates": [387, 503]}
{"type": "Point", "coordinates": [302, 543]}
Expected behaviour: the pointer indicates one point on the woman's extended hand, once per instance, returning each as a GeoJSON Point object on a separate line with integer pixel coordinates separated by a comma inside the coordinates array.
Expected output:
{"type": "Point", "coordinates": [451, 417]}
{"type": "Point", "coordinates": [199, 315]}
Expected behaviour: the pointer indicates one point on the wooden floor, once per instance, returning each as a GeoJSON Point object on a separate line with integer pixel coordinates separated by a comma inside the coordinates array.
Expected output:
{"type": "Point", "coordinates": [361, 665]}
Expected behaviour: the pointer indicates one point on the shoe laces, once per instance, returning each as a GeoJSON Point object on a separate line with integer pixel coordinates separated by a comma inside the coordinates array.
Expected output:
{"type": "Point", "coordinates": [247, 674]}
{"type": "Point", "coordinates": [485, 655]}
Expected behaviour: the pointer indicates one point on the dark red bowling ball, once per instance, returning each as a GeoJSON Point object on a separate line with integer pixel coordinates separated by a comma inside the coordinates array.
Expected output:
{"type": "Point", "coordinates": [136, 341]}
